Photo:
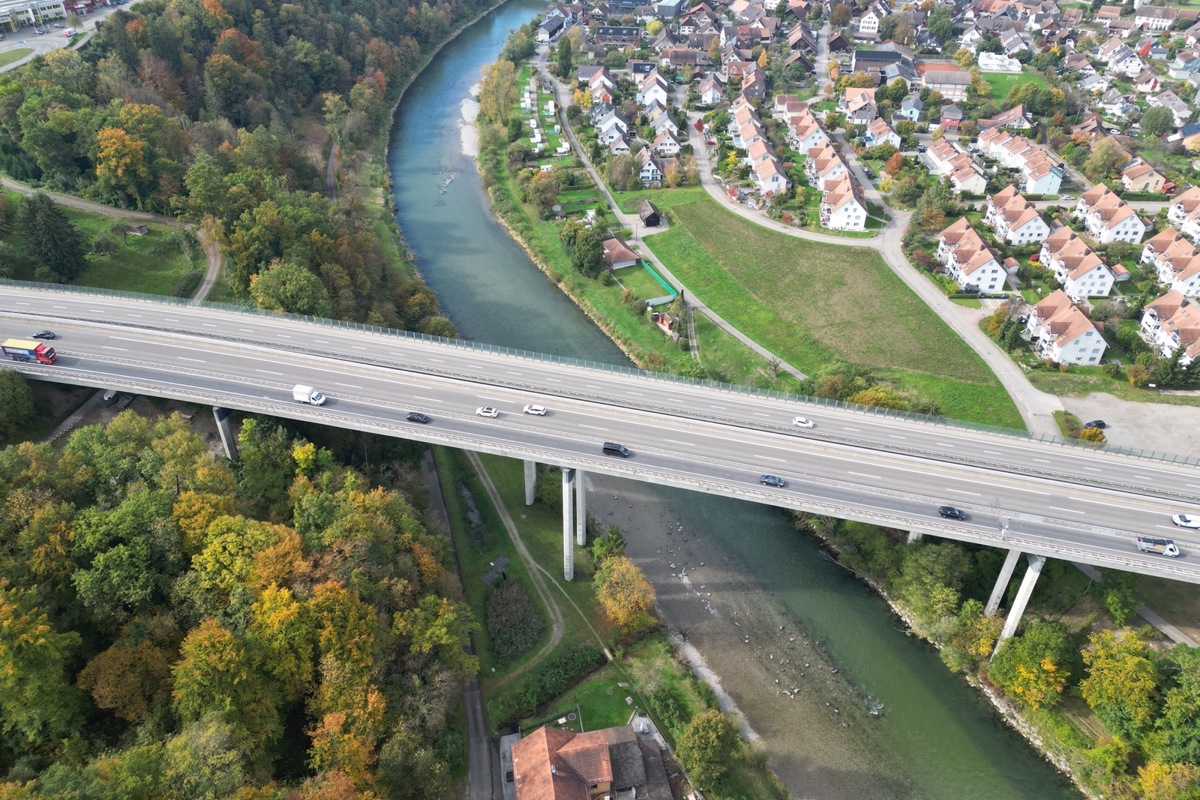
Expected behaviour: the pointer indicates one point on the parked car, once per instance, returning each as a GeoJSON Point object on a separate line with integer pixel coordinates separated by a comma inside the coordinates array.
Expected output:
{"type": "Point", "coordinates": [487, 411]}
{"type": "Point", "coordinates": [950, 512]}
{"type": "Point", "coordinates": [804, 422]}
{"type": "Point", "coordinates": [536, 410]}
{"type": "Point", "coordinates": [1096, 423]}
{"type": "Point", "coordinates": [59, 25]}
{"type": "Point", "coordinates": [772, 480]}
{"type": "Point", "coordinates": [44, 334]}
{"type": "Point", "coordinates": [417, 416]}
{"type": "Point", "coordinates": [1186, 521]}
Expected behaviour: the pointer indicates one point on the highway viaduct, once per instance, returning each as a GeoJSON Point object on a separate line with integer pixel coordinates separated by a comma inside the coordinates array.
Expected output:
{"type": "Point", "coordinates": [1031, 496]}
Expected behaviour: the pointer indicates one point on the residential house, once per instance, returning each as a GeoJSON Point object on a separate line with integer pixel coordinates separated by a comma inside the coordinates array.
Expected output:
{"type": "Point", "coordinates": [617, 36]}
{"type": "Point", "coordinates": [754, 83]}
{"type": "Point", "coordinates": [824, 163]}
{"type": "Point", "coordinates": [804, 133]}
{"type": "Point", "coordinates": [1146, 81]}
{"type": "Point", "coordinates": [550, 29]}
{"type": "Point", "coordinates": [769, 177]}
{"type": "Point", "coordinates": [1138, 176]}
{"type": "Point", "coordinates": [1041, 172]}
{"type": "Point", "coordinates": [666, 144]}
{"type": "Point", "coordinates": [842, 205]}
{"type": "Point", "coordinates": [951, 118]}
{"type": "Point", "coordinates": [1081, 272]}
{"type": "Point", "coordinates": [880, 133]}
{"type": "Point", "coordinates": [1014, 219]}
{"type": "Point", "coordinates": [619, 147]}
{"type": "Point", "coordinates": [1117, 105]}
{"type": "Point", "coordinates": [949, 159]}
{"type": "Point", "coordinates": [618, 255]}
{"type": "Point", "coordinates": [1078, 64]}
{"type": "Point", "coordinates": [553, 764]}
{"type": "Point", "coordinates": [1062, 333]}
{"type": "Point", "coordinates": [859, 106]}
{"type": "Point", "coordinates": [1175, 261]}
{"type": "Point", "coordinates": [1172, 322]}
{"type": "Point", "coordinates": [1181, 112]}
{"type": "Point", "coordinates": [968, 259]}
{"type": "Point", "coordinates": [1108, 218]}
{"type": "Point", "coordinates": [911, 108]}
{"type": "Point", "coordinates": [1154, 19]}
{"type": "Point", "coordinates": [710, 90]}
{"type": "Point", "coordinates": [1184, 213]}
{"type": "Point", "coordinates": [1015, 119]}
{"type": "Point", "coordinates": [1185, 64]}
{"type": "Point", "coordinates": [785, 106]}
{"type": "Point", "coordinates": [654, 89]}
{"type": "Point", "coordinates": [1094, 84]}
{"type": "Point", "coordinates": [868, 23]}
{"type": "Point", "coordinates": [650, 168]}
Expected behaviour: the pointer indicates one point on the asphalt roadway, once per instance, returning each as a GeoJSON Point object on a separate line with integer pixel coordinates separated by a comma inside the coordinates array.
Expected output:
{"type": "Point", "coordinates": [1041, 496]}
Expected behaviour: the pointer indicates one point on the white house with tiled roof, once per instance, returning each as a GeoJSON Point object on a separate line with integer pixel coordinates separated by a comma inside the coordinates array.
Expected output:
{"type": "Point", "coordinates": [1061, 333]}
{"type": "Point", "coordinates": [1175, 260]}
{"type": "Point", "coordinates": [968, 259]}
{"type": "Point", "coordinates": [1184, 213]}
{"type": "Point", "coordinates": [1081, 272]}
{"type": "Point", "coordinates": [880, 133]}
{"type": "Point", "coordinates": [1170, 322]}
{"type": "Point", "coordinates": [1107, 217]}
{"type": "Point", "coordinates": [1014, 219]}
{"type": "Point", "coordinates": [769, 177]}
{"type": "Point", "coordinates": [842, 205]}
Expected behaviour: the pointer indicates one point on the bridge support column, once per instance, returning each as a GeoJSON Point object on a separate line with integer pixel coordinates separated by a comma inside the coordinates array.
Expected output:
{"type": "Point", "coordinates": [580, 509]}
{"type": "Point", "coordinates": [568, 478]}
{"type": "Point", "coordinates": [225, 428]}
{"type": "Point", "coordinates": [1006, 571]}
{"type": "Point", "coordinates": [530, 481]}
{"type": "Point", "coordinates": [1018, 607]}
{"type": "Point", "coordinates": [914, 537]}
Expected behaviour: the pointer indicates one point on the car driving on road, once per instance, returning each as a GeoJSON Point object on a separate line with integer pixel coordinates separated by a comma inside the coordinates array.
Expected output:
{"type": "Point", "coordinates": [417, 416]}
{"type": "Point", "coordinates": [1186, 520]}
{"type": "Point", "coordinates": [487, 411]}
{"type": "Point", "coordinates": [772, 480]}
{"type": "Point", "coordinates": [950, 512]}
{"type": "Point", "coordinates": [536, 410]}
{"type": "Point", "coordinates": [43, 334]}
{"type": "Point", "coordinates": [804, 422]}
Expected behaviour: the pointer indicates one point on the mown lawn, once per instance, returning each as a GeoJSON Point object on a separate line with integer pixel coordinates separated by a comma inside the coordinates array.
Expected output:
{"type": "Point", "coordinates": [1003, 82]}
{"type": "Point", "coordinates": [814, 304]}
{"type": "Point", "coordinates": [12, 56]}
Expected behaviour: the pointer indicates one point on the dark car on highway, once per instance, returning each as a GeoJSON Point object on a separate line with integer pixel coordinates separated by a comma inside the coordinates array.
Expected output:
{"type": "Point", "coordinates": [417, 416]}
{"type": "Point", "coordinates": [772, 480]}
{"type": "Point", "coordinates": [950, 512]}
{"type": "Point", "coordinates": [44, 335]}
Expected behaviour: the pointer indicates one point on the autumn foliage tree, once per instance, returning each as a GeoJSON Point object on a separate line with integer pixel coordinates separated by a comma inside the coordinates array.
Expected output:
{"type": "Point", "coordinates": [625, 595]}
{"type": "Point", "coordinates": [894, 164]}
{"type": "Point", "coordinates": [1035, 666]}
{"type": "Point", "coordinates": [706, 747]}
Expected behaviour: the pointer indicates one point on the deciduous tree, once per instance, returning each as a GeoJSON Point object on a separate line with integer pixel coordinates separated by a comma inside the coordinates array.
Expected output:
{"type": "Point", "coordinates": [1120, 683]}
{"type": "Point", "coordinates": [1035, 666]}
{"type": "Point", "coordinates": [624, 593]}
{"type": "Point", "coordinates": [706, 747]}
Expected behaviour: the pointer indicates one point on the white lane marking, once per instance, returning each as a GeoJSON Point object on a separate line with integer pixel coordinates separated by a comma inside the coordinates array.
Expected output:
{"type": "Point", "coordinates": [553, 380]}
{"type": "Point", "coordinates": [945, 444]}
{"type": "Point", "coordinates": [321, 341]}
{"type": "Point", "coordinates": [510, 372]}
{"type": "Point", "coordinates": [716, 406]}
{"type": "Point", "coordinates": [864, 475]}
{"type": "Point", "coordinates": [22, 303]}
{"type": "Point", "coordinates": [246, 330]}
{"type": "Point", "coordinates": [771, 458]}
{"type": "Point", "coordinates": [963, 491]}
{"type": "Point", "coordinates": [437, 360]}
{"type": "Point", "coordinates": [685, 444]}
{"type": "Point", "coordinates": [1091, 469]}
{"type": "Point", "coordinates": [286, 336]}
{"type": "Point", "coordinates": [58, 306]}
{"type": "Point", "coordinates": [195, 360]}
{"type": "Point", "coordinates": [593, 386]}
{"type": "Point", "coordinates": [1143, 478]}
{"type": "Point", "coordinates": [171, 319]}
{"type": "Point", "coordinates": [1043, 461]}
{"type": "Point", "coordinates": [135, 316]}
{"type": "Point", "coordinates": [856, 430]}
{"type": "Point", "coordinates": [593, 427]}
{"type": "Point", "coordinates": [1068, 510]}
{"type": "Point", "coordinates": [122, 349]}
{"type": "Point", "coordinates": [268, 372]}
{"type": "Point", "coordinates": [428, 399]}
{"type": "Point", "coordinates": [894, 436]}
{"type": "Point", "coordinates": [93, 310]}
{"type": "Point", "coordinates": [348, 385]}
{"type": "Point", "coordinates": [992, 452]}
{"type": "Point", "coordinates": [1098, 502]}
{"type": "Point", "coordinates": [634, 394]}
{"type": "Point", "coordinates": [208, 325]}
{"type": "Point", "coordinates": [761, 414]}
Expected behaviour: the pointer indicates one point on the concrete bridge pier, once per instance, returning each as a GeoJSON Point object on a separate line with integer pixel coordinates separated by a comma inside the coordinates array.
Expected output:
{"type": "Point", "coordinates": [568, 478]}
{"type": "Point", "coordinates": [1006, 571]}
{"type": "Point", "coordinates": [1018, 607]}
{"type": "Point", "coordinates": [914, 537]}
{"type": "Point", "coordinates": [580, 509]}
{"type": "Point", "coordinates": [530, 481]}
{"type": "Point", "coordinates": [225, 428]}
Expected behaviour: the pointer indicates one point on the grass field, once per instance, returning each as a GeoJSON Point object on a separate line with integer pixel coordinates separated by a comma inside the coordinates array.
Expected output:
{"type": "Point", "coordinates": [814, 304]}
{"type": "Point", "coordinates": [1003, 82]}
{"type": "Point", "coordinates": [12, 56]}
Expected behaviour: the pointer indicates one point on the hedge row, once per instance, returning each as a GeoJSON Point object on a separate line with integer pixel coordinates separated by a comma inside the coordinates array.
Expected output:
{"type": "Point", "coordinates": [546, 682]}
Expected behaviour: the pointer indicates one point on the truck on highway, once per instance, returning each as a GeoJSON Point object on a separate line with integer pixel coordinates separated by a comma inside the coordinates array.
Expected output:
{"type": "Point", "coordinates": [1164, 547]}
{"type": "Point", "coordinates": [307, 394]}
{"type": "Point", "coordinates": [25, 350]}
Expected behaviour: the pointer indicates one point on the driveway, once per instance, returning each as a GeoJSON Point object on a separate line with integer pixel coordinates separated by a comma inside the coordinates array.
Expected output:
{"type": "Point", "coordinates": [1141, 426]}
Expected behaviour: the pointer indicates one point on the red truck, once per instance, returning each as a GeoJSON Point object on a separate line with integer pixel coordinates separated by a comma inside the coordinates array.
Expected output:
{"type": "Point", "coordinates": [24, 350]}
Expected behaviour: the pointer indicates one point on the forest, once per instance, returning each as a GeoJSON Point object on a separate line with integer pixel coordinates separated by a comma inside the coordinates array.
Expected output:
{"type": "Point", "coordinates": [222, 113]}
{"type": "Point", "coordinates": [176, 626]}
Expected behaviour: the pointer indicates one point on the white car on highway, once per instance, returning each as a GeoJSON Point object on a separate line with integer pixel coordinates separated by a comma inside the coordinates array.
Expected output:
{"type": "Point", "coordinates": [536, 410]}
{"type": "Point", "coordinates": [804, 422]}
{"type": "Point", "coordinates": [487, 411]}
{"type": "Point", "coordinates": [1186, 521]}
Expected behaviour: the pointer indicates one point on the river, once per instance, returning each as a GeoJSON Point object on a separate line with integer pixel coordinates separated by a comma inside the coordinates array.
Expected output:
{"type": "Point", "coordinates": [952, 743]}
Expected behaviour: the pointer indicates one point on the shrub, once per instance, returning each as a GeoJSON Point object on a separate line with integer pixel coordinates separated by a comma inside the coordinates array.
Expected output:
{"type": "Point", "coordinates": [546, 682]}
{"type": "Point", "coordinates": [514, 624]}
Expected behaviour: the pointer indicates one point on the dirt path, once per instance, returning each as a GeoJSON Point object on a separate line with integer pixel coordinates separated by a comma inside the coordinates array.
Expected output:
{"type": "Point", "coordinates": [535, 574]}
